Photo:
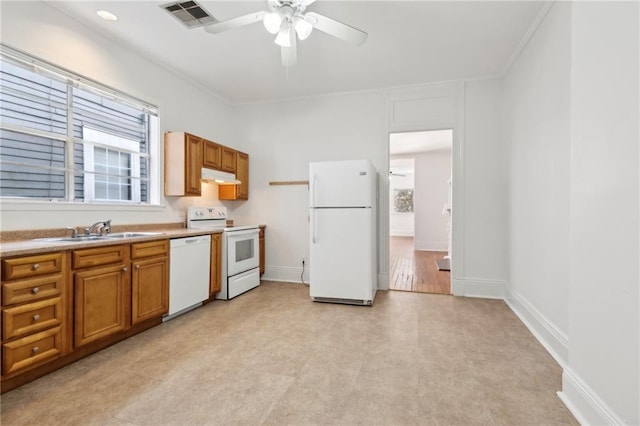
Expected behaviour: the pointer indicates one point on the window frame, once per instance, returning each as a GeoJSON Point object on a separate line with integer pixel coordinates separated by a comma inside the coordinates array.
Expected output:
{"type": "Point", "coordinates": [71, 80]}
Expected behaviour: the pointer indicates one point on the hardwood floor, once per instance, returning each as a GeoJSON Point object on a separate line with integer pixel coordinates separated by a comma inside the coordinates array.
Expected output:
{"type": "Point", "coordinates": [416, 271]}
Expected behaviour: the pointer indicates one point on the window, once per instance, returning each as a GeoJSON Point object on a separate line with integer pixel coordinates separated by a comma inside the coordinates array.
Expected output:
{"type": "Point", "coordinates": [63, 137]}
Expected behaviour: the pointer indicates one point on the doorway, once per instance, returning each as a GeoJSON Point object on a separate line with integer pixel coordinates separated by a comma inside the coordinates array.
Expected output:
{"type": "Point", "coordinates": [420, 194]}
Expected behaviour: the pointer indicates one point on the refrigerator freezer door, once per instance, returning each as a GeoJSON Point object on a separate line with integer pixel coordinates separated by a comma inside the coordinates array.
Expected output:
{"type": "Point", "coordinates": [342, 184]}
{"type": "Point", "coordinates": [342, 254]}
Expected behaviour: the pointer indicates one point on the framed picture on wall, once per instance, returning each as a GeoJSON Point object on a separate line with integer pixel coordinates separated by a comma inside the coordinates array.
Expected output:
{"type": "Point", "coordinates": [403, 200]}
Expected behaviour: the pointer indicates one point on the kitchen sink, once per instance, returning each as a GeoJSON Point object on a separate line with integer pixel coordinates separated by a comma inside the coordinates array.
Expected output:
{"type": "Point", "coordinates": [107, 237]}
{"type": "Point", "coordinates": [132, 234]}
{"type": "Point", "coordinates": [78, 239]}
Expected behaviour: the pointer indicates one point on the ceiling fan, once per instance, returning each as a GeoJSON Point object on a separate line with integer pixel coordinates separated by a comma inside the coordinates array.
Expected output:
{"type": "Point", "coordinates": [286, 19]}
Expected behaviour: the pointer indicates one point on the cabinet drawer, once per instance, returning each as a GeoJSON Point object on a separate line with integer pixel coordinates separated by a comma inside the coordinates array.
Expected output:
{"type": "Point", "coordinates": [31, 350]}
{"type": "Point", "coordinates": [98, 256]}
{"type": "Point", "coordinates": [32, 290]}
{"type": "Point", "coordinates": [31, 318]}
{"type": "Point", "coordinates": [150, 248]}
{"type": "Point", "coordinates": [31, 266]}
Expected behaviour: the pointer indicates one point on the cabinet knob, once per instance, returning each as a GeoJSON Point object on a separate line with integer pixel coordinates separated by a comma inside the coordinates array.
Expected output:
{"type": "Point", "coordinates": [124, 269]}
{"type": "Point", "coordinates": [137, 266]}
{"type": "Point", "coordinates": [35, 350]}
{"type": "Point", "coordinates": [35, 266]}
{"type": "Point", "coordinates": [35, 290]}
{"type": "Point", "coordinates": [36, 317]}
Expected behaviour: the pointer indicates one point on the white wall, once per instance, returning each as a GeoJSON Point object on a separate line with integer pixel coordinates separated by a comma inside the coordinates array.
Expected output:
{"type": "Point", "coordinates": [42, 31]}
{"type": "Point", "coordinates": [401, 224]}
{"type": "Point", "coordinates": [571, 133]}
{"type": "Point", "coordinates": [604, 325]}
{"type": "Point", "coordinates": [283, 138]}
{"type": "Point", "coordinates": [537, 137]}
{"type": "Point", "coordinates": [480, 262]}
{"type": "Point", "coordinates": [432, 174]}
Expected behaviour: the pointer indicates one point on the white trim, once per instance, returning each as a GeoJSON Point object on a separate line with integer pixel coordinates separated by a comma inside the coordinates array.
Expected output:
{"type": "Point", "coordinates": [383, 282]}
{"type": "Point", "coordinates": [20, 204]}
{"type": "Point", "coordinates": [285, 273]}
{"type": "Point", "coordinates": [554, 340]}
{"type": "Point", "coordinates": [533, 28]}
{"type": "Point", "coordinates": [583, 402]}
{"type": "Point", "coordinates": [478, 287]}
{"type": "Point", "coordinates": [401, 232]}
{"type": "Point", "coordinates": [432, 245]}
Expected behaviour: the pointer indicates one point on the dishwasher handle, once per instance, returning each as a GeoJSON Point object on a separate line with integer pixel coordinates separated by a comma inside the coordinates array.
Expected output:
{"type": "Point", "coordinates": [200, 239]}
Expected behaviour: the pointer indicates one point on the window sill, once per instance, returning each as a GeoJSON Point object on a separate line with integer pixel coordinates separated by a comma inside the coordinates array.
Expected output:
{"type": "Point", "coordinates": [13, 204]}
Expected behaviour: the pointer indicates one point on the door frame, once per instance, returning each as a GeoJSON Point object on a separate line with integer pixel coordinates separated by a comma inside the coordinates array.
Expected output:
{"type": "Point", "coordinates": [424, 108]}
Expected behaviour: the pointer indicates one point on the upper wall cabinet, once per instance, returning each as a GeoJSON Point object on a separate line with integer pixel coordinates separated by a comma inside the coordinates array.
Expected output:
{"type": "Point", "coordinates": [212, 155]}
{"type": "Point", "coordinates": [184, 157]}
{"type": "Point", "coordinates": [183, 161]}
{"type": "Point", "coordinates": [229, 159]}
{"type": "Point", "coordinates": [240, 191]}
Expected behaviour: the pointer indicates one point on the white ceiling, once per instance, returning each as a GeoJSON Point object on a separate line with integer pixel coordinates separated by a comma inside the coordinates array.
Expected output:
{"type": "Point", "coordinates": [410, 42]}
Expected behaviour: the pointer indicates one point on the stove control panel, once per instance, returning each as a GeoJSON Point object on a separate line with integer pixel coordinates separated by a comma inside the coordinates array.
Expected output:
{"type": "Point", "coordinates": [206, 213]}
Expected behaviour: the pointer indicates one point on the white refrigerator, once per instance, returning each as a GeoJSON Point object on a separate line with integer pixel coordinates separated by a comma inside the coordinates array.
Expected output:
{"type": "Point", "coordinates": [343, 255]}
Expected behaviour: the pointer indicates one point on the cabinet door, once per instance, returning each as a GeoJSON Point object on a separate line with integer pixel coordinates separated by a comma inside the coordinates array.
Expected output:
{"type": "Point", "coordinates": [228, 160]}
{"type": "Point", "coordinates": [101, 306]}
{"type": "Point", "coordinates": [261, 245]}
{"type": "Point", "coordinates": [193, 164]}
{"type": "Point", "coordinates": [216, 264]}
{"type": "Point", "coordinates": [242, 174]}
{"type": "Point", "coordinates": [150, 288]}
{"type": "Point", "coordinates": [212, 155]}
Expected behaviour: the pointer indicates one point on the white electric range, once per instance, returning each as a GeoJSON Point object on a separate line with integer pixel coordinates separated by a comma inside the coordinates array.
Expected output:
{"type": "Point", "coordinates": [240, 250]}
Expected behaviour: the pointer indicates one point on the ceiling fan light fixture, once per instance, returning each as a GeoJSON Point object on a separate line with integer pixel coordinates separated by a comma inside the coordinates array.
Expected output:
{"type": "Point", "coordinates": [272, 22]}
{"type": "Point", "coordinates": [303, 28]}
{"type": "Point", "coordinates": [284, 35]}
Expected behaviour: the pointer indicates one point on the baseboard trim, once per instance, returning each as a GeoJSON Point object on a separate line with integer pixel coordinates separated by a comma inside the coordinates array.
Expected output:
{"type": "Point", "coordinates": [285, 274]}
{"type": "Point", "coordinates": [554, 341]}
{"type": "Point", "coordinates": [432, 245]}
{"type": "Point", "coordinates": [583, 402]}
{"type": "Point", "coordinates": [478, 287]}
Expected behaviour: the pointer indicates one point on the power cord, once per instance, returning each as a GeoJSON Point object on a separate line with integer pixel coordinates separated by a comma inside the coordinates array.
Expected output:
{"type": "Point", "coordinates": [302, 274]}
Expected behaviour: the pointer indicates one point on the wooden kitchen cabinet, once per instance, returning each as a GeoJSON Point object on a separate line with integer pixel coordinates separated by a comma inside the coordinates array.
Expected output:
{"type": "Point", "coordinates": [183, 161]}
{"type": "Point", "coordinates": [240, 191]}
{"type": "Point", "coordinates": [212, 155]}
{"type": "Point", "coordinates": [149, 280]}
{"type": "Point", "coordinates": [215, 283]}
{"type": "Point", "coordinates": [102, 295]}
{"type": "Point", "coordinates": [228, 160]}
{"type": "Point", "coordinates": [261, 245]}
{"type": "Point", "coordinates": [35, 318]}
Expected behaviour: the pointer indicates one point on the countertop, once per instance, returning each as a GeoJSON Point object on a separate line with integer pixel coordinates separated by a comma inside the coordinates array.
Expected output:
{"type": "Point", "coordinates": [32, 246]}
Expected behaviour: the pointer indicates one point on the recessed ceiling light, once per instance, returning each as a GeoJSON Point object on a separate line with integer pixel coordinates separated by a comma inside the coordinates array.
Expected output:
{"type": "Point", "coordinates": [107, 16]}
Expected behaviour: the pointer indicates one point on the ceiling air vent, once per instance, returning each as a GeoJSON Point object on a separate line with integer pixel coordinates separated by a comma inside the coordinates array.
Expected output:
{"type": "Point", "coordinates": [190, 13]}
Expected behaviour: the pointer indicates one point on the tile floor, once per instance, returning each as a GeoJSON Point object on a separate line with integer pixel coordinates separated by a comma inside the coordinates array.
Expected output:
{"type": "Point", "coordinates": [273, 357]}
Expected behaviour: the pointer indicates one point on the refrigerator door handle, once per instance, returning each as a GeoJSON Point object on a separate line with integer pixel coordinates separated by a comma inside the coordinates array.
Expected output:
{"type": "Point", "coordinates": [314, 192]}
{"type": "Point", "coordinates": [313, 226]}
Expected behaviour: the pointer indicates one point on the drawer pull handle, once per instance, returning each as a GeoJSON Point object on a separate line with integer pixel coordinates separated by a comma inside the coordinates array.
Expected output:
{"type": "Point", "coordinates": [35, 266]}
{"type": "Point", "coordinates": [36, 317]}
{"type": "Point", "coordinates": [35, 350]}
{"type": "Point", "coordinates": [35, 290]}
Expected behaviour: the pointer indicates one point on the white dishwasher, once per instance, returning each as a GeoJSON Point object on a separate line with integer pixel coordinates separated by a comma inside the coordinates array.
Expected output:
{"type": "Point", "coordinates": [189, 262]}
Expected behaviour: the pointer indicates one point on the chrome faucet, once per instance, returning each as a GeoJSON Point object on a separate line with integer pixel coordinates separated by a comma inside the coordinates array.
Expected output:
{"type": "Point", "coordinates": [100, 227]}
{"type": "Point", "coordinates": [74, 231]}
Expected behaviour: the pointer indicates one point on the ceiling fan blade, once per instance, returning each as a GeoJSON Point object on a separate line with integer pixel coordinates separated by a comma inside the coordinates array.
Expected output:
{"type": "Point", "coordinates": [289, 55]}
{"type": "Point", "coordinates": [229, 24]}
{"type": "Point", "coordinates": [336, 29]}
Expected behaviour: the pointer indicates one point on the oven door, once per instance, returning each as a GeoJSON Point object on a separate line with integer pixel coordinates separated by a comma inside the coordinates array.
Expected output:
{"type": "Point", "coordinates": [242, 251]}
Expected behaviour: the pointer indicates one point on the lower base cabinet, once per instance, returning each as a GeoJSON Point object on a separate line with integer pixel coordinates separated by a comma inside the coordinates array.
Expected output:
{"type": "Point", "coordinates": [149, 280]}
{"type": "Point", "coordinates": [101, 303]}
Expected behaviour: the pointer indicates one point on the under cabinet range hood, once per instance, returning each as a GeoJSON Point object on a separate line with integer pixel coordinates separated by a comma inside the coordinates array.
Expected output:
{"type": "Point", "coordinates": [221, 178]}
